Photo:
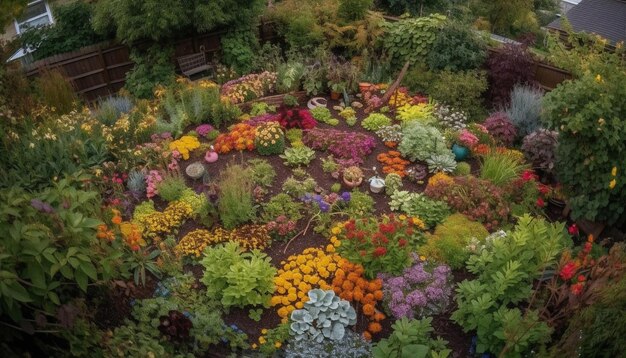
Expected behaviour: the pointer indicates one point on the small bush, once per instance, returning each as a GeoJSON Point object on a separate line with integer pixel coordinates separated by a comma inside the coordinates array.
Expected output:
{"type": "Point", "coordinates": [263, 172]}
{"type": "Point", "coordinates": [462, 168]}
{"type": "Point", "coordinates": [510, 66]}
{"type": "Point", "coordinates": [171, 187]}
{"type": "Point", "coordinates": [375, 121]}
{"type": "Point", "coordinates": [282, 204]}
{"type": "Point", "coordinates": [501, 168]}
{"type": "Point", "coordinates": [449, 242]}
{"type": "Point", "coordinates": [420, 141]}
{"type": "Point", "coordinates": [525, 109]}
{"type": "Point", "coordinates": [353, 10]}
{"type": "Point", "coordinates": [269, 139]}
{"type": "Point", "coordinates": [152, 67]}
{"type": "Point", "coordinates": [112, 108]}
{"type": "Point", "coordinates": [539, 148]}
{"type": "Point", "coordinates": [236, 203]}
{"type": "Point", "coordinates": [456, 48]}
{"type": "Point", "coordinates": [56, 91]}
{"type": "Point", "coordinates": [501, 128]}
{"type": "Point", "coordinates": [461, 90]}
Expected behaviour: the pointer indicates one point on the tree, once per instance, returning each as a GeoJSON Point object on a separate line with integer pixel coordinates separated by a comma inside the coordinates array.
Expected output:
{"type": "Point", "coordinates": [506, 16]}
{"type": "Point", "coordinates": [133, 20]}
{"type": "Point", "coordinates": [11, 9]}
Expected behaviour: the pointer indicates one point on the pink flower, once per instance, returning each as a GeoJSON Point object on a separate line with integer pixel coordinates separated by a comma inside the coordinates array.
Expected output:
{"type": "Point", "coordinates": [467, 138]}
{"type": "Point", "coordinates": [529, 175]}
{"type": "Point", "coordinates": [573, 229]}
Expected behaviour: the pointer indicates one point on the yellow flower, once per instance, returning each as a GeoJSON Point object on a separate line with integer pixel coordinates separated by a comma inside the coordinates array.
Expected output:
{"type": "Point", "coordinates": [598, 78]}
{"type": "Point", "coordinates": [612, 183]}
{"type": "Point", "coordinates": [254, 346]}
{"type": "Point", "coordinates": [262, 340]}
{"type": "Point", "coordinates": [264, 331]}
{"type": "Point", "coordinates": [614, 171]}
{"type": "Point", "coordinates": [277, 344]}
{"type": "Point", "coordinates": [402, 217]}
{"type": "Point", "coordinates": [336, 230]}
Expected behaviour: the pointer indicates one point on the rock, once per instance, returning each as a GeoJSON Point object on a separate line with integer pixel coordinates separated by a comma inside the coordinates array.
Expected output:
{"type": "Point", "coordinates": [357, 104]}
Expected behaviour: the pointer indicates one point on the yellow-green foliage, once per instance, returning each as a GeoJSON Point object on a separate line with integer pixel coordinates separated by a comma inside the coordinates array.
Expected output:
{"type": "Point", "coordinates": [449, 241]}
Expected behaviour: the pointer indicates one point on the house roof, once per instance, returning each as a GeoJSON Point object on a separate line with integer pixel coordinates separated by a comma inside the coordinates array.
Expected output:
{"type": "Point", "coordinates": [606, 18]}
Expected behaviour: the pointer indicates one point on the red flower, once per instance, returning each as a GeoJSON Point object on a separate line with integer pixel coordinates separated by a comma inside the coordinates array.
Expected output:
{"type": "Point", "coordinates": [543, 189]}
{"type": "Point", "coordinates": [380, 251]}
{"type": "Point", "coordinates": [529, 175]}
{"type": "Point", "coordinates": [402, 242]}
{"type": "Point", "coordinates": [540, 203]}
{"type": "Point", "coordinates": [587, 248]}
{"type": "Point", "coordinates": [581, 278]}
{"type": "Point", "coordinates": [577, 288]}
{"type": "Point", "coordinates": [568, 271]}
{"type": "Point", "coordinates": [573, 229]}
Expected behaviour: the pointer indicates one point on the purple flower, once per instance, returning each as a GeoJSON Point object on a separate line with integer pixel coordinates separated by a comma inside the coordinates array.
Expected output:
{"type": "Point", "coordinates": [416, 298]}
{"type": "Point", "coordinates": [324, 207]}
{"type": "Point", "coordinates": [397, 296]}
{"type": "Point", "coordinates": [434, 293]}
{"type": "Point", "coordinates": [41, 206]}
{"type": "Point", "coordinates": [346, 196]}
{"type": "Point", "coordinates": [396, 283]}
{"type": "Point", "coordinates": [204, 129]}
{"type": "Point", "coordinates": [402, 310]}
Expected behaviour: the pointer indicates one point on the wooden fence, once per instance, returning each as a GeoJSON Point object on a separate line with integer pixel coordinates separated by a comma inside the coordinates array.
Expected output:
{"type": "Point", "coordinates": [100, 70]}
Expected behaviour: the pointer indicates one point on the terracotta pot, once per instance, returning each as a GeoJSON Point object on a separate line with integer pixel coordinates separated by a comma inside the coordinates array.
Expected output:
{"type": "Point", "coordinates": [352, 184]}
{"type": "Point", "coordinates": [335, 95]}
{"type": "Point", "coordinates": [364, 86]}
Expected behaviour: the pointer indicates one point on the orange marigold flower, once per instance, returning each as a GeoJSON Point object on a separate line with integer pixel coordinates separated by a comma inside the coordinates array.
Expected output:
{"type": "Point", "coordinates": [374, 327]}
{"type": "Point", "coordinates": [347, 285]}
{"type": "Point", "coordinates": [367, 336]}
{"type": "Point", "coordinates": [368, 309]}
{"type": "Point", "coordinates": [378, 295]}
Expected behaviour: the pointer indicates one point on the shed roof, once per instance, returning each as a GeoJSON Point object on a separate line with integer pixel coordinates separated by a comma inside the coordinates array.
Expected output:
{"type": "Point", "coordinates": [606, 18]}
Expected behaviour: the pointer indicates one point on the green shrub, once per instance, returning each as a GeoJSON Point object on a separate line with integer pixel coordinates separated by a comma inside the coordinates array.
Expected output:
{"type": "Point", "coordinates": [236, 278]}
{"type": "Point", "coordinates": [448, 244]}
{"type": "Point", "coordinates": [411, 39]}
{"type": "Point", "coordinates": [589, 114]}
{"type": "Point", "coordinates": [456, 48]}
{"type": "Point", "coordinates": [353, 10]}
{"type": "Point", "coordinates": [297, 186]}
{"type": "Point", "coordinates": [393, 183]}
{"type": "Point", "coordinates": [501, 168]}
{"type": "Point", "coordinates": [462, 168]}
{"type": "Point", "coordinates": [56, 91]}
{"type": "Point", "coordinates": [282, 204]}
{"type": "Point", "coordinates": [152, 67]}
{"type": "Point", "coordinates": [263, 172]}
{"type": "Point", "coordinates": [375, 121]}
{"type": "Point", "coordinates": [261, 108]}
{"type": "Point", "coordinates": [361, 204]}
{"type": "Point", "coordinates": [411, 338]}
{"type": "Point", "coordinates": [506, 268]}
{"type": "Point", "coordinates": [236, 203]}
{"type": "Point", "coordinates": [461, 90]}
{"type": "Point", "coordinates": [269, 139]}
{"type": "Point", "coordinates": [420, 141]}
{"type": "Point", "coordinates": [238, 50]}
{"type": "Point", "coordinates": [430, 211]}
{"type": "Point", "coordinates": [171, 187]}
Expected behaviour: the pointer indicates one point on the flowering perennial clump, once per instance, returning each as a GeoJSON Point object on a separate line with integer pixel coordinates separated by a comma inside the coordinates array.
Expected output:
{"type": "Point", "coordinates": [351, 146]}
{"type": "Point", "coordinates": [241, 137]}
{"type": "Point", "coordinates": [350, 285]}
{"type": "Point", "coordinates": [379, 244]}
{"type": "Point", "coordinates": [421, 290]}
{"type": "Point", "coordinates": [163, 223]}
{"type": "Point", "coordinates": [249, 237]}
{"type": "Point", "coordinates": [184, 145]}
{"type": "Point", "coordinates": [269, 139]}
{"type": "Point", "coordinates": [249, 87]}
{"type": "Point", "coordinates": [393, 163]}
{"type": "Point", "coordinates": [312, 268]}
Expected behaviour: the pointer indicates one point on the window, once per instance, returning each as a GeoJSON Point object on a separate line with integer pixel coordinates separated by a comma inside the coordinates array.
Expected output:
{"type": "Point", "coordinates": [37, 13]}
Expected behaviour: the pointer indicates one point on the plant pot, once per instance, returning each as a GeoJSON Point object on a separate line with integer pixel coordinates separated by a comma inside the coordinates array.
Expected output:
{"type": "Point", "coordinates": [377, 185]}
{"type": "Point", "coordinates": [317, 102]}
{"type": "Point", "coordinates": [557, 202]}
{"type": "Point", "coordinates": [364, 86]}
{"type": "Point", "coordinates": [210, 157]}
{"type": "Point", "coordinates": [352, 184]}
{"type": "Point", "coordinates": [195, 170]}
{"type": "Point", "coordinates": [335, 95]}
{"type": "Point", "coordinates": [460, 152]}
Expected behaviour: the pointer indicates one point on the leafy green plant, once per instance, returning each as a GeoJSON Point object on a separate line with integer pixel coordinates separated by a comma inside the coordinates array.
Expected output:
{"type": "Point", "coordinates": [361, 204]}
{"type": "Point", "coordinates": [462, 168]}
{"type": "Point", "coordinates": [294, 136]}
{"type": "Point", "coordinates": [238, 50]}
{"type": "Point", "coordinates": [297, 156]}
{"type": "Point", "coordinates": [353, 10]}
{"type": "Point", "coordinates": [322, 114]}
{"type": "Point", "coordinates": [375, 121]}
{"type": "Point", "coordinates": [449, 242]}
{"type": "Point", "coordinates": [329, 165]}
{"type": "Point", "coordinates": [261, 108]}
{"type": "Point", "coordinates": [152, 67]}
{"type": "Point", "coordinates": [263, 172]}
{"type": "Point", "coordinates": [393, 183]}
{"type": "Point", "coordinates": [56, 91]}
{"type": "Point", "coordinates": [591, 163]}
{"type": "Point", "coordinates": [411, 338]}
{"type": "Point", "coordinates": [290, 100]}
{"type": "Point", "coordinates": [236, 203]}
{"type": "Point", "coordinates": [506, 267]}
{"type": "Point", "coordinates": [456, 48]}
{"type": "Point", "coordinates": [112, 108]}
{"type": "Point", "coordinates": [50, 248]}
{"type": "Point", "coordinates": [171, 187]}
{"type": "Point", "coordinates": [289, 76]}
{"type": "Point", "coordinates": [238, 278]}
{"type": "Point", "coordinates": [282, 204]}
{"type": "Point", "coordinates": [411, 39]}
{"type": "Point", "coordinates": [324, 316]}
{"type": "Point", "coordinates": [141, 261]}
{"type": "Point", "coordinates": [298, 185]}
{"type": "Point", "coordinates": [420, 141]}
{"type": "Point", "coordinates": [461, 90]}
{"type": "Point", "coordinates": [501, 168]}
{"type": "Point", "coordinates": [431, 212]}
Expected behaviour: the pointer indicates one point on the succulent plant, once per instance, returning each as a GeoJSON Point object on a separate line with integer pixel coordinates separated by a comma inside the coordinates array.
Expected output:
{"type": "Point", "coordinates": [324, 316]}
{"type": "Point", "coordinates": [417, 172]}
{"type": "Point", "coordinates": [136, 183]}
{"type": "Point", "coordinates": [393, 183]}
{"type": "Point", "coordinates": [501, 128]}
{"type": "Point", "coordinates": [175, 326]}
{"type": "Point", "coordinates": [539, 147]}
{"type": "Point", "coordinates": [441, 163]}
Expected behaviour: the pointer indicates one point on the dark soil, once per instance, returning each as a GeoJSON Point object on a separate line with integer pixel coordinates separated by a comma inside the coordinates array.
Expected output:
{"type": "Point", "coordinates": [117, 307]}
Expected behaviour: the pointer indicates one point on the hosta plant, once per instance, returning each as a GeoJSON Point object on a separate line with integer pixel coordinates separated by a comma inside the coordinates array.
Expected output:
{"type": "Point", "coordinates": [441, 163]}
{"type": "Point", "coordinates": [296, 156]}
{"type": "Point", "coordinates": [324, 316]}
